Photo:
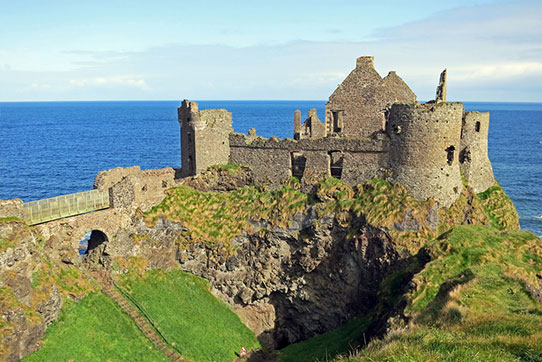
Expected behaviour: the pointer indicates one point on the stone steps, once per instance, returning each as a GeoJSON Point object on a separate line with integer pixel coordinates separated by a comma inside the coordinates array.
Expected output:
{"type": "Point", "coordinates": [142, 323]}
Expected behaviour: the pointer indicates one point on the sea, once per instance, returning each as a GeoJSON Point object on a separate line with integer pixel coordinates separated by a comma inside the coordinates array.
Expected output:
{"type": "Point", "coordinates": [54, 148]}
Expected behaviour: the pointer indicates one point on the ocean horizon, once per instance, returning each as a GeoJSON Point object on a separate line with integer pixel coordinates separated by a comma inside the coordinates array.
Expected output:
{"type": "Point", "coordinates": [51, 148]}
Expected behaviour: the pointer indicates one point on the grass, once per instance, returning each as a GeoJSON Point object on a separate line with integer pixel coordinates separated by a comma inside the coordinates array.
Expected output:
{"type": "Point", "coordinates": [327, 345]}
{"type": "Point", "coordinates": [197, 324]}
{"type": "Point", "coordinates": [499, 208]}
{"type": "Point", "coordinates": [472, 301]}
{"type": "Point", "coordinates": [94, 329]}
{"type": "Point", "coordinates": [202, 327]}
{"type": "Point", "coordinates": [216, 218]}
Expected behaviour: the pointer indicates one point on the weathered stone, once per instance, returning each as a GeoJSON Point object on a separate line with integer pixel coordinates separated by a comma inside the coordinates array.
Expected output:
{"type": "Point", "coordinates": [373, 127]}
{"type": "Point", "coordinates": [441, 89]}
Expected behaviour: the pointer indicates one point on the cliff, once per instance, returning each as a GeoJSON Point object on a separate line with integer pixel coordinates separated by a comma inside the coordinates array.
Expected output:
{"type": "Point", "coordinates": [292, 265]}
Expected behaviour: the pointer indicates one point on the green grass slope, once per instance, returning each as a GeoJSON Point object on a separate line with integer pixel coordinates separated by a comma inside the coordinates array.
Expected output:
{"type": "Point", "coordinates": [201, 327]}
{"type": "Point", "coordinates": [475, 300]}
{"type": "Point", "coordinates": [94, 329]}
{"type": "Point", "coordinates": [197, 324]}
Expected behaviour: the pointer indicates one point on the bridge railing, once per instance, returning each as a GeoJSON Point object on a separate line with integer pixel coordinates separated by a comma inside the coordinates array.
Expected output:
{"type": "Point", "coordinates": [39, 211]}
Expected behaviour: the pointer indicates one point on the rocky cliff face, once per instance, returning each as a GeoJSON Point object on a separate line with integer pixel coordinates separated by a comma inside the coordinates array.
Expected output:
{"type": "Point", "coordinates": [290, 284]}
{"type": "Point", "coordinates": [292, 265]}
{"type": "Point", "coordinates": [287, 284]}
{"type": "Point", "coordinates": [32, 288]}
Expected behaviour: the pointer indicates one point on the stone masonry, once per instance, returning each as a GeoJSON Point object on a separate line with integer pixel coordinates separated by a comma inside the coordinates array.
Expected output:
{"type": "Point", "coordinates": [373, 127]}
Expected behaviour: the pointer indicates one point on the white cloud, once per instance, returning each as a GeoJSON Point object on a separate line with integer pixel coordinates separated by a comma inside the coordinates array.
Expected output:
{"type": "Point", "coordinates": [498, 72]}
{"type": "Point", "coordinates": [490, 51]}
{"type": "Point", "coordinates": [122, 80]}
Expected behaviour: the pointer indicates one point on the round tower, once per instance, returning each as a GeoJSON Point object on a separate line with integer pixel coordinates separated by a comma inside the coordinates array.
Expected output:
{"type": "Point", "coordinates": [424, 146]}
{"type": "Point", "coordinates": [473, 158]}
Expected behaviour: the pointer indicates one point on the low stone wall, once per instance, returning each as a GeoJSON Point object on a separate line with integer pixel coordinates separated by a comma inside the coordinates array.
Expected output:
{"type": "Point", "coordinates": [132, 188]}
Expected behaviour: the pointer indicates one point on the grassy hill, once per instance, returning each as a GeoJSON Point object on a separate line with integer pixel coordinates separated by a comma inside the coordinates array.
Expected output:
{"type": "Point", "coordinates": [200, 326]}
{"type": "Point", "coordinates": [476, 298]}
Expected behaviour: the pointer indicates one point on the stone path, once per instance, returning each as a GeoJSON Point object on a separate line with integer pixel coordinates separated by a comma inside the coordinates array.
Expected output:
{"type": "Point", "coordinates": [141, 322]}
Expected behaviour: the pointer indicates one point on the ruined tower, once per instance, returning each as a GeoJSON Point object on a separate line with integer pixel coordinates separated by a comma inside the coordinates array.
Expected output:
{"type": "Point", "coordinates": [473, 157]}
{"type": "Point", "coordinates": [204, 137]}
{"type": "Point", "coordinates": [424, 146]}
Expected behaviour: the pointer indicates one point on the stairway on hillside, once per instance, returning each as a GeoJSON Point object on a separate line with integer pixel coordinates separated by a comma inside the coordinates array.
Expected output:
{"type": "Point", "coordinates": [142, 323]}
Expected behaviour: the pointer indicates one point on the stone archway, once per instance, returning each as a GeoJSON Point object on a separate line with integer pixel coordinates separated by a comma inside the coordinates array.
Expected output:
{"type": "Point", "coordinates": [95, 255]}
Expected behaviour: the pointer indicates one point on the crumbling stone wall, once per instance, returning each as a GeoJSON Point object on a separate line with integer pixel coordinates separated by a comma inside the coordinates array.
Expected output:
{"type": "Point", "coordinates": [204, 137]}
{"type": "Point", "coordinates": [271, 159]}
{"type": "Point", "coordinates": [373, 127]}
{"type": "Point", "coordinates": [473, 156]}
{"type": "Point", "coordinates": [361, 99]}
{"type": "Point", "coordinates": [131, 188]}
{"type": "Point", "coordinates": [424, 148]}
{"type": "Point", "coordinates": [312, 128]}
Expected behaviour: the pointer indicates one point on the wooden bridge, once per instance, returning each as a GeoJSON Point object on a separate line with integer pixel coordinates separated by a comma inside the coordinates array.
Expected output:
{"type": "Point", "coordinates": [37, 212]}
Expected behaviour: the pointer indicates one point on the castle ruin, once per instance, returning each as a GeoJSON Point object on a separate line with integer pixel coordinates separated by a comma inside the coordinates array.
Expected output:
{"type": "Point", "coordinates": [373, 127]}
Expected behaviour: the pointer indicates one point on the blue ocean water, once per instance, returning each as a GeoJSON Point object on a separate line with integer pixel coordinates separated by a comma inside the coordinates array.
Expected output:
{"type": "Point", "coordinates": [53, 148]}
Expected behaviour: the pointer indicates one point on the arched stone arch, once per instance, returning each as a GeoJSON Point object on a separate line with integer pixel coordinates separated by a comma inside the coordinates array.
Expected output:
{"type": "Point", "coordinates": [96, 255]}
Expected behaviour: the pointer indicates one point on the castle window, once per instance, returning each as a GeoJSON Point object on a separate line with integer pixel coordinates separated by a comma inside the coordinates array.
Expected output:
{"type": "Point", "coordinates": [336, 159]}
{"type": "Point", "coordinates": [298, 162]}
{"type": "Point", "coordinates": [337, 121]}
{"type": "Point", "coordinates": [477, 127]}
{"type": "Point", "coordinates": [450, 154]}
{"type": "Point", "coordinates": [464, 155]}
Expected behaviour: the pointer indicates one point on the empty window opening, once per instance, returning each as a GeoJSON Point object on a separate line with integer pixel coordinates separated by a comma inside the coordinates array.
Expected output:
{"type": "Point", "coordinates": [450, 154]}
{"type": "Point", "coordinates": [336, 160]}
{"type": "Point", "coordinates": [337, 121]}
{"type": "Point", "coordinates": [298, 164]}
{"type": "Point", "coordinates": [477, 127]}
{"type": "Point", "coordinates": [464, 155]}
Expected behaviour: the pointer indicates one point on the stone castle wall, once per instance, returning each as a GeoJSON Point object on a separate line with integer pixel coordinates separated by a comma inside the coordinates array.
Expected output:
{"type": "Point", "coordinates": [271, 159]}
{"type": "Point", "coordinates": [373, 127]}
{"type": "Point", "coordinates": [131, 188]}
{"type": "Point", "coordinates": [473, 156]}
{"type": "Point", "coordinates": [424, 148]}
{"type": "Point", "coordinates": [360, 100]}
{"type": "Point", "coordinates": [204, 137]}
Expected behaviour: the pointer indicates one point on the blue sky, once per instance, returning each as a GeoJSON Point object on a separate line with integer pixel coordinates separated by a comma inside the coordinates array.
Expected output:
{"type": "Point", "coordinates": [123, 50]}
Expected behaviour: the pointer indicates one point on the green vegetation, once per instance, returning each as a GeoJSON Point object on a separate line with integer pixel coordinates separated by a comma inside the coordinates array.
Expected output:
{"type": "Point", "coordinates": [327, 345]}
{"type": "Point", "coordinates": [201, 327]}
{"type": "Point", "coordinates": [94, 329]}
{"type": "Point", "coordinates": [466, 293]}
{"type": "Point", "coordinates": [4, 220]}
{"type": "Point", "coordinates": [499, 208]}
{"type": "Point", "coordinates": [472, 301]}
{"type": "Point", "coordinates": [230, 167]}
{"type": "Point", "coordinates": [192, 320]}
{"type": "Point", "coordinates": [473, 298]}
{"type": "Point", "coordinates": [215, 218]}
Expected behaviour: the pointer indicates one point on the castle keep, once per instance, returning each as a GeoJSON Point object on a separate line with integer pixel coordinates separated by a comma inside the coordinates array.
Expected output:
{"type": "Point", "coordinates": [373, 126]}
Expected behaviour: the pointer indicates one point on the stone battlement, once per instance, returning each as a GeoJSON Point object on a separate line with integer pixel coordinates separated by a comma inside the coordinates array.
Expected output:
{"type": "Point", "coordinates": [373, 127]}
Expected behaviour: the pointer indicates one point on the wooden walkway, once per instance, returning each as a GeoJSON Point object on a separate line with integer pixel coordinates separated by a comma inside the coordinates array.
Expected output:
{"type": "Point", "coordinates": [142, 323]}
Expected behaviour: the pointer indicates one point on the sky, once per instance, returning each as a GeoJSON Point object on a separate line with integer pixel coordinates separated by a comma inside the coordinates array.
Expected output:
{"type": "Point", "coordinates": [59, 50]}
